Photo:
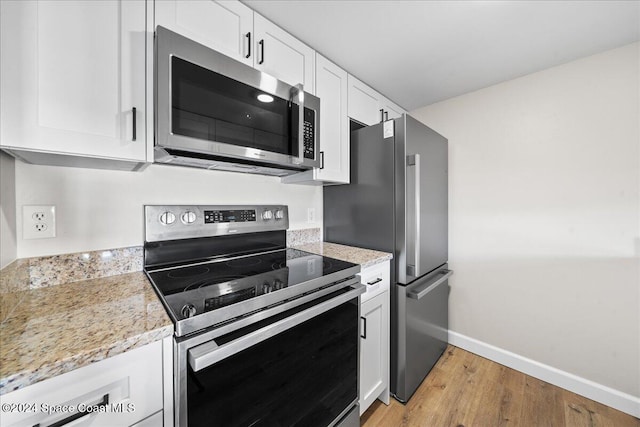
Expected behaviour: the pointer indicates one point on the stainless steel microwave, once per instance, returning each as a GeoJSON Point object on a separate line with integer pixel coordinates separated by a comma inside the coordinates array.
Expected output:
{"type": "Point", "coordinates": [216, 113]}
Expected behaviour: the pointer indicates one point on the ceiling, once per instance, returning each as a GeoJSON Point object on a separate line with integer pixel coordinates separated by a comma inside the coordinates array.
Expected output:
{"type": "Point", "coordinates": [420, 52]}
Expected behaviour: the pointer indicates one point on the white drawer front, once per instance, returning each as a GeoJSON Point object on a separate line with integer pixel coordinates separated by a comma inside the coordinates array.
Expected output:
{"type": "Point", "coordinates": [132, 381]}
{"type": "Point", "coordinates": [376, 278]}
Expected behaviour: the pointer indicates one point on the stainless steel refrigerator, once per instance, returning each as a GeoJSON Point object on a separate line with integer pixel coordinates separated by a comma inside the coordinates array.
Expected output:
{"type": "Point", "coordinates": [397, 202]}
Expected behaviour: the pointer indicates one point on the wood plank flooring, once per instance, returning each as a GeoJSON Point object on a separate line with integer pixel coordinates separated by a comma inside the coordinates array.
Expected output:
{"type": "Point", "coordinates": [466, 390]}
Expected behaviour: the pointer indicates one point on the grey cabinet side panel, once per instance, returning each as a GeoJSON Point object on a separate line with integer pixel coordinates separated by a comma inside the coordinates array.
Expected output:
{"type": "Point", "coordinates": [361, 213]}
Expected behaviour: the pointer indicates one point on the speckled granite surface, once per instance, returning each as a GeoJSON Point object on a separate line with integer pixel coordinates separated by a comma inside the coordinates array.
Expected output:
{"type": "Point", "coordinates": [41, 272]}
{"type": "Point", "coordinates": [304, 236]}
{"type": "Point", "coordinates": [47, 331]}
{"type": "Point", "coordinates": [364, 257]}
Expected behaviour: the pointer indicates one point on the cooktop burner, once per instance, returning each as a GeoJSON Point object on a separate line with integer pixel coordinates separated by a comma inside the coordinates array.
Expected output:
{"type": "Point", "coordinates": [188, 272]}
{"type": "Point", "coordinates": [219, 283]}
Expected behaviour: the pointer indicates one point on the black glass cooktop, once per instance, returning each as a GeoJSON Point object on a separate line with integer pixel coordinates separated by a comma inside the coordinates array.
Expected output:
{"type": "Point", "coordinates": [202, 287]}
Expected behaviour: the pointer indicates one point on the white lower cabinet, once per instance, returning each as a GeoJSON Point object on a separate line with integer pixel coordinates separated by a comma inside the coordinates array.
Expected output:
{"type": "Point", "coordinates": [374, 336]}
{"type": "Point", "coordinates": [123, 390]}
{"type": "Point", "coordinates": [154, 420]}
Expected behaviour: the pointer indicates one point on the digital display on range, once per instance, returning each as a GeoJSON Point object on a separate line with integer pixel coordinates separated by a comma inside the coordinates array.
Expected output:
{"type": "Point", "coordinates": [211, 217]}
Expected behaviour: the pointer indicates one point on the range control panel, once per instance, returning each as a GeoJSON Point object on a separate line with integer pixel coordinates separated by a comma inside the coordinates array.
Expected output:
{"type": "Point", "coordinates": [172, 222]}
{"type": "Point", "coordinates": [229, 216]}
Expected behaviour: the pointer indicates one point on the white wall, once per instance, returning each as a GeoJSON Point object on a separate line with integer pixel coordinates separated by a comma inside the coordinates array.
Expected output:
{"type": "Point", "coordinates": [8, 248]}
{"type": "Point", "coordinates": [544, 215]}
{"type": "Point", "coordinates": [100, 209]}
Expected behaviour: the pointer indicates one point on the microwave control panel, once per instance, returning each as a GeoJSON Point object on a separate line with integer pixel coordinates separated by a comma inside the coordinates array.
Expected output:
{"type": "Point", "coordinates": [309, 124]}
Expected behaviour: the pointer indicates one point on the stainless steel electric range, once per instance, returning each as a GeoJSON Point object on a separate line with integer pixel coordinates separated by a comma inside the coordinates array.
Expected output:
{"type": "Point", "coordinates": [265, 335]}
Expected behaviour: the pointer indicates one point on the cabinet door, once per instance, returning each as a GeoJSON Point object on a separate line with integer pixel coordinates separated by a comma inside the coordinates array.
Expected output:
{"type": "Point", "coordinates": [331, 88]}
{"type": "Point", "coordinates": [393, 110]}
{"type": "Point", "coordinates": [131, 382]}
{"type": "Point", "coordinates": [283, 56]}
{"type": "Point", "coordinates": [364, 102]}
{"type": "Point", "coordinates": [225, 26]}
{"type": "Point", "coordinates": [72, 74]}
{"type": "Point", "coordinates": [374, 349]}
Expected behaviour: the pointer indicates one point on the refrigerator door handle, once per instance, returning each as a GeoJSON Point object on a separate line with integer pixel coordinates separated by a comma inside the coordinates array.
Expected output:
{"type": "Point", "coordinates": [429, 286]}
{"type": "Point", "coordinates": [414, 269]}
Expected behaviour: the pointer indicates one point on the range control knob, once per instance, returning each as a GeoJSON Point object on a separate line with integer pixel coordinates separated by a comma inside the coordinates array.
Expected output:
{"type": "Point", "coordinates": [189, 217]}
{"type": "Point", "coordinates": [266, 288]}
{"type": "Point", "coordinates": [277, 285]}
{"type": "Point", "coordinates": [279, 214]}
{"type": "Point", "coordinates": [188, 310]}
{"type": "Point", "coordinates": [167, 218]}
{"type": "Point", "coordinates": [267, 215]}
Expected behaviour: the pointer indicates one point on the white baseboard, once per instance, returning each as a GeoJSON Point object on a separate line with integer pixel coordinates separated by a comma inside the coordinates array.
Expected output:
{"type": "Point", "coordinates": [607, 396]}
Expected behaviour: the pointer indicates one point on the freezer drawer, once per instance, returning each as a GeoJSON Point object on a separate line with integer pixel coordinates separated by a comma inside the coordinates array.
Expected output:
{"type": "Point", "coordinates": [423, 309]}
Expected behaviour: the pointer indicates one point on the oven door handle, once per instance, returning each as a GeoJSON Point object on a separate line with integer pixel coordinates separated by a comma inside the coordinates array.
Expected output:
{"type": "Point", "coordinates": [207, 354]}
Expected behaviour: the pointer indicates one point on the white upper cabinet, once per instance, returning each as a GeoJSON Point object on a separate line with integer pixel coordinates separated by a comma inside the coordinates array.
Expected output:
{"type": "Point", "coordinates": [364, 102]}
{"type": "Point", "coordinates": [225, 26]}
{"type": "Point", "coordinates": [331, 88]}
{"type": "Point", "coordinates": [390, 109]}
{"type": "Point", "coordinates": [368, 106]}
{"type": "Point", "coordinates": [73, 81]}
{"type": "Point", "coordinates": [233, 29]}
{"type": "Point", "coordinates": [283, 56]}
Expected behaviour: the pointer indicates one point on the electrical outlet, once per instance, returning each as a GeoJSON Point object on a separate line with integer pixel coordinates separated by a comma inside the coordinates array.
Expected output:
{"type": "Point", "coordinates": [38, 221]}
{"type": "Point", "coordinates": [311, 215]}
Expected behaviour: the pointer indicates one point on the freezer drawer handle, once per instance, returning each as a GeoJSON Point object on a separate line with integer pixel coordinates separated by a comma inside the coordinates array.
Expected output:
{"type": "Point", "coordinates": [418, 294]}
{"type": "Point", "coordinates": [373, 282]}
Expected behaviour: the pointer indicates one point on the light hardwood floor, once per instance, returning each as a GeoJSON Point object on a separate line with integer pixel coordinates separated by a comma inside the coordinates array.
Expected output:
{"type": "Point", "coordinates": [465, 390]}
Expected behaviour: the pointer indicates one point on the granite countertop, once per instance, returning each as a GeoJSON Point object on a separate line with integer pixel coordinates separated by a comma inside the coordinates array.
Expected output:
{"type": "Point", "coordinates": [63, 312]}
{"type": "Point", "coordinates": [364, 257]}
{"type": "Point", "coordinates": [48, 331]}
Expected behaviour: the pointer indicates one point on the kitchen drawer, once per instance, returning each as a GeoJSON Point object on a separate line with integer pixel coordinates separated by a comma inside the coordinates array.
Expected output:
{"type": "Point", "coordinates": [376, 278]}
{"type": "Point", "coordinates": [132, 381]}
{"type": "Point", "coordinates": [154, 420]}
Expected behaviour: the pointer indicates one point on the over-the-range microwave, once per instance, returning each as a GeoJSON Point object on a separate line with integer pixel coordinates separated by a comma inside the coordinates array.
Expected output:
{"type": "Point", "coordinates": [216, 113]}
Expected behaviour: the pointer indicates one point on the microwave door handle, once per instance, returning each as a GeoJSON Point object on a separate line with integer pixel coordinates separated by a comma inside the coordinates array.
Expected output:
{"type": "Point", "coordinates": [297, 98]}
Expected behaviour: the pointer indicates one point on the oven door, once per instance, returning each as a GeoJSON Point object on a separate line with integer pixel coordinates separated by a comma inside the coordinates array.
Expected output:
{"type": "Point", "coordinates": [210, 104]}
{"type": "Point", "coordinates": [298, 368]}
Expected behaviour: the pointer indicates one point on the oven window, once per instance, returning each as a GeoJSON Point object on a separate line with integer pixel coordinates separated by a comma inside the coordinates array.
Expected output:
{"type": "Point", "coordinates": [208, 105]}
{"type": "Point", "coordinates": [305, 376]}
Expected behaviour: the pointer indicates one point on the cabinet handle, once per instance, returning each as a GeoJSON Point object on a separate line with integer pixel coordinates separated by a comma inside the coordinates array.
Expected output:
{"type": "Point", "coordinates": [248, 36]}
{"type": "Point", "coordinates": [103, 403]}
{"type": "Point", "coordinates": [133, 113]}
{"type": "Point", "coordinates": [373, 282]}
{"type": "Point", "coordinates": [364, 328]}
{"type": "Point", "coordinates": [381, 115]}
{"type": "Point", "coordinates": [386, 115]}
{"type": "Point", "coordinates": [261, 44]}
{"type": "Point", "coordinates": [322, 160]}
